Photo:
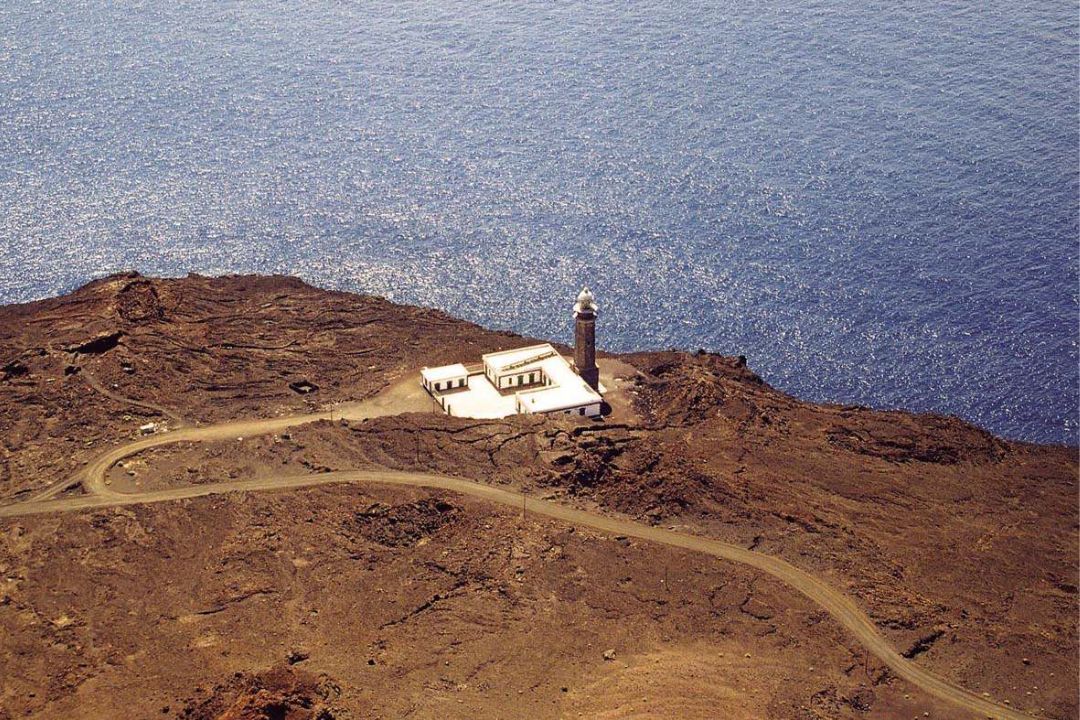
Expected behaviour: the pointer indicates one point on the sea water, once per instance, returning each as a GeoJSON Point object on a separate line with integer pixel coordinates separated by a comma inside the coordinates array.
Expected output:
{"type": "Point", "coordinates": [875, 202]}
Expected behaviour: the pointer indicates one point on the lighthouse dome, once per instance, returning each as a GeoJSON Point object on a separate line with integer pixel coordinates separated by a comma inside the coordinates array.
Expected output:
{"type": "Point", "coordinates": [586, 301]}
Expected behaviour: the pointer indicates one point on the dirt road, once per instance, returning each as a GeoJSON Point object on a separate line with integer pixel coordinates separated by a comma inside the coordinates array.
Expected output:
{"type": "Point", "coordinates": [405, 397]}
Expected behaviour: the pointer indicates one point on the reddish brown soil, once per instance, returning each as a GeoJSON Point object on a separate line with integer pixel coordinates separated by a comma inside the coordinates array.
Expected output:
{"type": "Point", "coordinates": [412, 605]}
{"type": "Point", "coordinates": [280, 693]}
{"type": "Point", "coordinates": [209, 349]}
{"type": "Point", "coordinates": [961, 546]}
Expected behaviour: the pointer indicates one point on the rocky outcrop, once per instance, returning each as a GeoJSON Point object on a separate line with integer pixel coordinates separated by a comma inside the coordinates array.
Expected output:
{"type": "Point", "coordinates": [402, 525]}
{"type": "Point", "coordinates": [97, 345]}
{"type": "Point", "coordinates": [280, 693]}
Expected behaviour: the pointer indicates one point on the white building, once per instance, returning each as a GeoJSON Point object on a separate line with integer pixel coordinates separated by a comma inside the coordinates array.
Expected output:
{"type": "Point", "coordinates": [535, 379]}
{"type": "Point", "coordinates": [444, 378]}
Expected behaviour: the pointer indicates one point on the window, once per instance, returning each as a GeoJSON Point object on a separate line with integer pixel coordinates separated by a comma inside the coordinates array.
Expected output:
{"type": "Point", "coordinates": [531, 376]}
{"type": "Point", "coordinates": [521, 379]}
{"type": "Point", "coordinates": [581, 411]}
{"type": "Point", "coordinates": [461, 382]}
{"type": "Point", "coordinates": [436, 386]}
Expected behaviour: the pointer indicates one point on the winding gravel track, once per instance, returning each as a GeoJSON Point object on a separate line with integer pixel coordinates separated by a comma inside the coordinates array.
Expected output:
{"type": "Point", "coordinates": [93, 382]}
{"type": "Point", "coordinates": [838, 605]}
{"type": "Point", "coordinates": [402, 397]}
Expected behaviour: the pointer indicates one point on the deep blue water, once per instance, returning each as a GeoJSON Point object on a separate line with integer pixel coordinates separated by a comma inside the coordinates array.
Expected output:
{"type": "Point", "coordinates": [876, 202]}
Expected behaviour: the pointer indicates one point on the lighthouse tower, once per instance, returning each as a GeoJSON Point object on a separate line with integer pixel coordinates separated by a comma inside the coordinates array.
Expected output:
{"type": "Point", "coordinates": [585, 338]}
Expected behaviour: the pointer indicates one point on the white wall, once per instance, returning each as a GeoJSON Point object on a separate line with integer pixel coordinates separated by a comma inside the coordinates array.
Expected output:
{"type": "Point", "coordinates": [590, 411]}
{"type": "Point", "coordinates": [454, 383]}
{"type": "Point", "coordinates": [510, 381]}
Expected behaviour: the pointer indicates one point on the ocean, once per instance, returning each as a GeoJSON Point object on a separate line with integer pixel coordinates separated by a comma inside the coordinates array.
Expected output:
{"type": "Point", "coordinates": [875, 202]}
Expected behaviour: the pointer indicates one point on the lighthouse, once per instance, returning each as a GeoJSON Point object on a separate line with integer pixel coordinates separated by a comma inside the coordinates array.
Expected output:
{"type": "Point", "coordinates": [531, 380]}
{"type": "Point", "coordinates": [585, 338]}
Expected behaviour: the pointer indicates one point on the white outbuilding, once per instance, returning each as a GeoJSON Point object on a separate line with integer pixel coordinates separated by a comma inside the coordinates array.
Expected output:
{"type": "Point", "coordinates": [446, 377]}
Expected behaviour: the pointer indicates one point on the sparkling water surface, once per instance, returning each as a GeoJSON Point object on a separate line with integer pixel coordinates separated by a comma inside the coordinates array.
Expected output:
{"type": "Point", "coordinates": [876, 202]}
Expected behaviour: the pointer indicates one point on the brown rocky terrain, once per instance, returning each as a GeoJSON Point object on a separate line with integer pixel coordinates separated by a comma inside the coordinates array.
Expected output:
{"type": "Point", "coordinates": [378, 602]}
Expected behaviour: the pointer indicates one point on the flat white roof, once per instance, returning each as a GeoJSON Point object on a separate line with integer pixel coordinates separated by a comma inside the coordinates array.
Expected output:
{"type": "Point", "coordinates": [567, 390]}
{"type": "Point", "coordinates": [499, 361]}
{"type": "Point", "coordinates": [443, 372]}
